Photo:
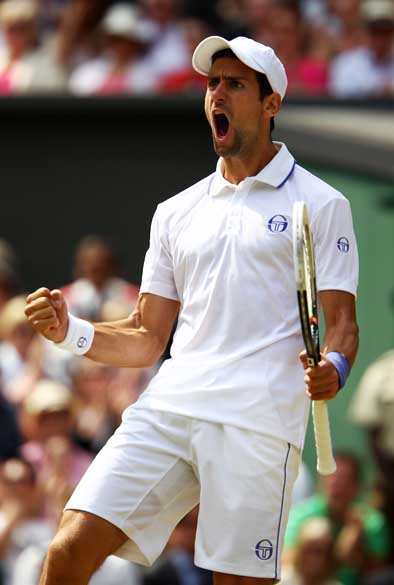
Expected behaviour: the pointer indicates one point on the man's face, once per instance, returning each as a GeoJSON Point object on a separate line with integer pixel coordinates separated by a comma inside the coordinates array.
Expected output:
{"type": "Point", "coordinates": [233, 107]}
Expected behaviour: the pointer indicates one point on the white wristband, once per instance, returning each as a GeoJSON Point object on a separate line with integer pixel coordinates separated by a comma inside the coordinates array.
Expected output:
{"type": "Point", "coordinates": [79, 336]}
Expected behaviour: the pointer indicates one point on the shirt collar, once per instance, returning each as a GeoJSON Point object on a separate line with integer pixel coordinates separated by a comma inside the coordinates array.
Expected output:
{"type": "Point", "coordinates": [275, 173]}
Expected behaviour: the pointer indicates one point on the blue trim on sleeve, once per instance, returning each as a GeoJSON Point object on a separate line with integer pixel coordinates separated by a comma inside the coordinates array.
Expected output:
{"type": "Point", "coordinates": [288, 176]}
{"type": "Point", "coordinates": [281, 510]}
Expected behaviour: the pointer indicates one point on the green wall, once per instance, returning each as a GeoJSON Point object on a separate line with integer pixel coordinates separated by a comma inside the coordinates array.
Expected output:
{"type": "Point", "coordinates": [373, 215]}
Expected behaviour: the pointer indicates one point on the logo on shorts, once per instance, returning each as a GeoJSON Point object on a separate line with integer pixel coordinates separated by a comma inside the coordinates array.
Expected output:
{"type": "Point", "coordinates": [82, 341]}
{"type": "Point", "coordinates": [277, 223]}
{"type": "Point", "coordinates": [343, 244]}
{"type": "Point", "coordinates": [264, 550]}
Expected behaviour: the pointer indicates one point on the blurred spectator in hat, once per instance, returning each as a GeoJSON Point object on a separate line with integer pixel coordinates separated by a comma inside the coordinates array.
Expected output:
{"type": "Point", "coordinates": [306, 66]}
{"type": "Point", "coordinates": [368, 71]}
{"type": "Point", "coordinates": [25, 66]}
{"type": "Point", "coordinates": [168, 52]}
{"type": "Point", "coordinates": [187, 80]}
{"type": "Point", "coordinates": [121, 68]}
{"type": "Point", "coordinates": [361, 542]}
{"type": "Point", "coordinates": [373, 409]}
{"type": "Point", "coordinates": [313, 562]}
{"type": "Point", "coordinates": [21, 523]}
{"type": "Point", "coordinates": [47, 423]}
{"type": "Point", "coordinates": [176, 566]}
{"type": "Point", "coordinates": [96, 268]}
{"type": "Point", "coordinates": [17, 343]}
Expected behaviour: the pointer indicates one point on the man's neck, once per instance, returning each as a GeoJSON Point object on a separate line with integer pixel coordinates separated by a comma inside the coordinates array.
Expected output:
{"type": "Point", "coordinates": [236, 169]}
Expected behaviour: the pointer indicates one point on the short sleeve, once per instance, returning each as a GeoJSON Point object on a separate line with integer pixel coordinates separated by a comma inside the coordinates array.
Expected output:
{"type": "Point", "coordinates": [336, 255]}
{"type": "Point", "coordinates": [158, 271]}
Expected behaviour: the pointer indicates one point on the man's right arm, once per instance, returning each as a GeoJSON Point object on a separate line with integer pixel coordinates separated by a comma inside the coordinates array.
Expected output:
{"type": "Point", "coordinates": [137, 341]}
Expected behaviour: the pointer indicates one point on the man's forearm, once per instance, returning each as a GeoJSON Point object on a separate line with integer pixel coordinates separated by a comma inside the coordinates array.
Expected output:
{"type": "Point", "coordinates": [342, 337]}
{"type": "Point", "coordinates": [121, 344]}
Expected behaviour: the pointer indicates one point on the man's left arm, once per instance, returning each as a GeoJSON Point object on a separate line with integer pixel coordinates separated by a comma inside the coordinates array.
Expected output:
{"type": "Point", "coordinates": [323, 381]}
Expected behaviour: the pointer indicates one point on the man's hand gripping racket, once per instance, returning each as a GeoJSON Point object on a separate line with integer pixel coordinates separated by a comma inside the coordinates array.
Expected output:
{"type": "Point", "coordinates": [304, 266]}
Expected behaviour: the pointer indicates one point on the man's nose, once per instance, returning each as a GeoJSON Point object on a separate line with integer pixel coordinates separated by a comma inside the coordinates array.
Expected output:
{"type": "Point", "coordinates": [219, 93]}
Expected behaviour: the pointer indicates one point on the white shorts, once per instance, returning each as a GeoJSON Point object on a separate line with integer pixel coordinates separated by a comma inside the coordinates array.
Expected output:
{"type": "Point", "coordinates": [158, 466]}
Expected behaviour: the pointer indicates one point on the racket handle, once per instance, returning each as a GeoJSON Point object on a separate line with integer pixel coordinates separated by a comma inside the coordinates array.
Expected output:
{"type": "Point", "coordinates": [321, 425]}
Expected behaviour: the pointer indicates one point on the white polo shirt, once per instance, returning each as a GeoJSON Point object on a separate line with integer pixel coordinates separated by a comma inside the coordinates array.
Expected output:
{"type": "Point", "coordinates": [225, 252]}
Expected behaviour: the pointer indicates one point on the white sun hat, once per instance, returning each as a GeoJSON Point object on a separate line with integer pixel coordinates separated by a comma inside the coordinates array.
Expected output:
{"type": "Point", "coordinates": [125, 21]}
{"type": "Point", "coordinates": [253, 54]}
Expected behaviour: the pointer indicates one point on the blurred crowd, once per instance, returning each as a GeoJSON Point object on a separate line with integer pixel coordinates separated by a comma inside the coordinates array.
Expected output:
{"type": "Point", "coordinates": [339, 48]}
{"type": "Point", "coordinates": [58, 410]}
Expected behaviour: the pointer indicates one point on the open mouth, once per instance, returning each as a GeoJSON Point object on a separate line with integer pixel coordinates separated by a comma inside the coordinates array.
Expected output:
{"type": "Point", "coordinates": [221, 125]}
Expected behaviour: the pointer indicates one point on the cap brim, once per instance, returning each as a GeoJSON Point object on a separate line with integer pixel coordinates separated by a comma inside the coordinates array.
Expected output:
{"type": "Point", "coordinates": [202, 56]}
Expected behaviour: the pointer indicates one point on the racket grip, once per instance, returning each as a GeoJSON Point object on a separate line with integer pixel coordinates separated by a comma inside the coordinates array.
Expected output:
{"type": "Point", "coordinates": [321, 425]}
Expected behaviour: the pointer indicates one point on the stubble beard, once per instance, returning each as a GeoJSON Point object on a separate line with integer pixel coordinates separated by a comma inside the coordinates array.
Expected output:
{"type": "Point", "coordinates": [230, 150]}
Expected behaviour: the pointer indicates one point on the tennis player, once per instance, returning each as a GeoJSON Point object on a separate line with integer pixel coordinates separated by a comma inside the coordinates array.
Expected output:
{"type": "Point", "coordinates": [223, 421]}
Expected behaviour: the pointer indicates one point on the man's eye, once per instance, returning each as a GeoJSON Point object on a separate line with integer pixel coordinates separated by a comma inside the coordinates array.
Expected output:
{"type": "Point", "coordinates": [212, 83]}
{"type": "Point", "coordinates": [235, 84]}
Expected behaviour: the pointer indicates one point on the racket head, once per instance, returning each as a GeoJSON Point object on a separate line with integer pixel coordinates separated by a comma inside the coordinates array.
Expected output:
{"type": "Point", "coordinates": [305, 277]}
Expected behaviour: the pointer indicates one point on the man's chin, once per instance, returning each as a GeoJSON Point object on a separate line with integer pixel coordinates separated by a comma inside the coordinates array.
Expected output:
{"type": "Point", "coordinates": [225, 150]}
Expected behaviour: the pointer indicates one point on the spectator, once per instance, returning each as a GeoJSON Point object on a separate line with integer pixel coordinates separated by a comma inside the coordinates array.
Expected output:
{"type": "Point", "coordinates": [77, 33]}
{"type": "Point", "coordinates": [307, 70]}
{"type": "Point", "coordinates": [21, 524]}
{"type": "Point", "coordinates": [47, 421]}
{"type": "Point", "coordinates": [313, 561]}
{"type": "Point", "coordinates": [187, 79]}
{"type": "Point", "coordinates": [176, 566]}
{"type": "Point", "coordinates": [341, 22]}
{"type": "Point", "coordinates": [95, 268]}
{"type": "Point", "coordinates": [121, 69]}
{"type": "Point", "coordinates": [9, 277]}
{"type": "Point", "coordinates": [360, 533]}
{"type": "Point", "coordinates": [94, 421]}
{"type": "Point", "coordinates": [368, 71]}
{"type": "Point", "coordinates": [25, 67]}
{"type": "Point", "coordinates": [168, 52]}
{"type": "Point", "coordinates": [9, 282]}
{"type": "Point", "coordinates": [257, 17]}
{"type": "Point", "coordinates": [373, 408]}
{"type": "Point", "coordinates": [16, 347]}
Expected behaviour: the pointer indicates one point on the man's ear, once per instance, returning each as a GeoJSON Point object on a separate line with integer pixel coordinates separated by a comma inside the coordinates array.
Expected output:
{"type": "Point", "coordinates": [272, 104]}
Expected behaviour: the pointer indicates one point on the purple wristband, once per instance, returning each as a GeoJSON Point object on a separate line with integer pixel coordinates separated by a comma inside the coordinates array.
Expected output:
{"type": "Point", "coordinates": [341, 365]}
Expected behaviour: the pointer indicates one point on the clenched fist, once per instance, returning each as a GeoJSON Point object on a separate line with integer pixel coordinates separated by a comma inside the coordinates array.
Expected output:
{"type": "Point", "coordinates": [46, 311]}
{"type": "Point", "coordinates": [322, 382]}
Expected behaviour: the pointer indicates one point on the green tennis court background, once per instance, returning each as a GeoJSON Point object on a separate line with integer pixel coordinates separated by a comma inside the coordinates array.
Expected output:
{"type": "Point", "coordinates": [373, 219]}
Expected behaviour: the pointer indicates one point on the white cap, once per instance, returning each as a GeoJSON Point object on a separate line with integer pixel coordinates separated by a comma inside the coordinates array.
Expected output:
{"type": "Point", "coordinates": [378, 11]}
{"type": "Point", "coordinates": [17, 11]}
{"type": "Point", "coordinates": [124, 20]}
{"type": "Point", "coordinates": [253, 54]}
{"type": "Point", "coordinates": [48, 396]}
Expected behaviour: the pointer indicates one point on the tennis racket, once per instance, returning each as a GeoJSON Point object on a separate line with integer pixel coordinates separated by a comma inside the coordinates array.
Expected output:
{"type": "Point", "coordinates": [304, 266]}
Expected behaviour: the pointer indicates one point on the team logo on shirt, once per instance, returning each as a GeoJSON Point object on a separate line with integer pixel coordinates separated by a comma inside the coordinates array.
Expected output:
{"type": "Point", "coordinates": [82, 341]}
{"type": "Point", "coordinates": [343, 244]}
{"type": "Point", "coordinates": [264, 550]}
{"type": "Point", "coordinates": [277, 223]}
